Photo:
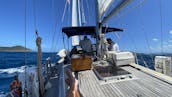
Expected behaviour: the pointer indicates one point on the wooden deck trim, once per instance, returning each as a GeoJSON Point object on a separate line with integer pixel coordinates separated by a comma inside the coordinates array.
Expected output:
{"type": "Point", "coordinates": [158, 75]}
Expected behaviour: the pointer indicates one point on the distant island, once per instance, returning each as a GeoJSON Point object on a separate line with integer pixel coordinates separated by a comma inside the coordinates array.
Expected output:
{"type": "Point", "coordinates": [15, 49]}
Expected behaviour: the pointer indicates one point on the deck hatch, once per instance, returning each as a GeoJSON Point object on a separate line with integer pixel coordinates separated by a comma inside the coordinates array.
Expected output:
{"type": "Point", "coordinates": [111, 73]}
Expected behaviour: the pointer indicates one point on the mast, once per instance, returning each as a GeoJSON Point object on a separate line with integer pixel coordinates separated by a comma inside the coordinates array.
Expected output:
{"type": "Point", "coordinates": [76, 19]}
{"type": "Point", "coordinates": [98, 32]}
{"type": "Point", "coordinates": [39, 58]}
{"type": "Point", "coordinates": [101, 7]}
{"type": "Point", "coordinates": [99, 36]}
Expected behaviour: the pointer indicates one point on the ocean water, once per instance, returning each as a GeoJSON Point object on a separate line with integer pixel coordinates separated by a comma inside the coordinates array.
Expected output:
{"type": "Point", "coordinates": [12, 63]}
{"type": "Point", "coordinates": [146, 60]}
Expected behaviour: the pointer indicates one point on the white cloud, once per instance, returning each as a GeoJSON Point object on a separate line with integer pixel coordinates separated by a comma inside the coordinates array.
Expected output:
{"type": "Point", "coordinates": [157, 49]}
{"type": "Point", "coordinates": [152, 48]}
{"type": "Point", "coordinates": [170, 32]}
{"type": "Point", "coordinates": [155, 39]}
{"type": "Point", "coordinates": [170, 45]}
{"type": "Point", "coordinates": [165, 43]}
{"type": "Point", "coordinates": [170, 41]}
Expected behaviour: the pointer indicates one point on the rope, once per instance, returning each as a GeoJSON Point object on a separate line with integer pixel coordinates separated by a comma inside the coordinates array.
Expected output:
{"type": "Point", "coordinates": [160, 3]}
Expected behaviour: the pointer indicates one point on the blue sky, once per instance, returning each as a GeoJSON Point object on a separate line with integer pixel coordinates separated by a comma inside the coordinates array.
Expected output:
{"type": "Point", "coordinates": [142, 24]}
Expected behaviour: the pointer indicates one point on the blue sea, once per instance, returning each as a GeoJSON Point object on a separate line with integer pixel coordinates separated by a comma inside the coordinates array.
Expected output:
{"type": "Point", "coordinates": [12, 63]}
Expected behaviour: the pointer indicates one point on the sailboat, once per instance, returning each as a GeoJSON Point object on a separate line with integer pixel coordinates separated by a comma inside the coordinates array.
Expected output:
{"type": "Point", "coordinates": [127, 79]}
{"type": "Point", "coordinates": [111, 74]}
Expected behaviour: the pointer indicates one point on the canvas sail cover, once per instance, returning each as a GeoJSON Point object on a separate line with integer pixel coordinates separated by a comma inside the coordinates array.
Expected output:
{"type": "Point", "coordinates": [104, 5]}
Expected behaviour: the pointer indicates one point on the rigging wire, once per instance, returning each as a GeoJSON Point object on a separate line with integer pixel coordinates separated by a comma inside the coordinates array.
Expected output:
{"type": "Point", "coordinates": [64, 10]}
{"type": "Point", "coordinates": [68, 44]}
{"type": "Point", "coordinates": [160, 4]}
{"type": "Point", "coordinates": [25, 61]}
{"type": "Point", "coordinates": [134, 45]}
{"type": "Point", "coordinates": [34, 14]}
{"type": "Point", "coordinates": [114, 35]}
{"type": "Point", "coordinates": [131, 9]}
{"type": "Point", "coordinates": [53, 27]}
{"type": "Point", "coordinates": [53, 45]}
{"type": "Point", "coordinates": [54, 34]}
{"type": "Point", "coordinates": [137, 6]}
{"type": "Point", "coordinates": [68, 25]}
{"type": "Point", "coordinates": [57, 41]}
{"type": "Point", "coordinates": [35, 17]}
{"type": "Point", "coordinates": [63, 40]}
{"type": "Point", "coordinates": [60, 34]}
{"type": "Point", "coordinates": [68, 16]}
{"type": "Point", "coordinates": [68, 7]}
{"type": "Point", "coordinates": [145, 34]}
{"type": "Point", "coordinates": [136, 49]}
{"type": "Point", "coordinates": [117, 36]}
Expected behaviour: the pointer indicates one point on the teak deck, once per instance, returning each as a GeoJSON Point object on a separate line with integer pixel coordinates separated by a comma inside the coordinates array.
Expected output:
{"type": "Point", "coordinates": [142, 85]}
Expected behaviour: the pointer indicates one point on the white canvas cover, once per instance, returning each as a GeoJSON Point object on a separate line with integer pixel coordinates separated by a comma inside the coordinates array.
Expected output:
{"type": "Point", "coordinates": [121, 55]}
{"type": "Point", "coordinates": [120, 58]}
{"type": "Point", "coordinates": [163, 64]}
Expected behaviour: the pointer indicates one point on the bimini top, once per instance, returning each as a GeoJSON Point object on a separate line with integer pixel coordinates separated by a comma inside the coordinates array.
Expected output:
{"type": "Point", "coordinates": [86, 30]}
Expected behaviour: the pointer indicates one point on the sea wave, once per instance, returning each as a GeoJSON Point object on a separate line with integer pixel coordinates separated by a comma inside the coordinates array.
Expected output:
{"type": "Point", "coordinates": [11, 72]}
{"type": "Point", "coordinates": [2, 94]}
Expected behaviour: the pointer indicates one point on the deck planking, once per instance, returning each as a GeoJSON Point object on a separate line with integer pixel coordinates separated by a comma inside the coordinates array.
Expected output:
{"type": "Point", "coordinates": [144, 86]}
